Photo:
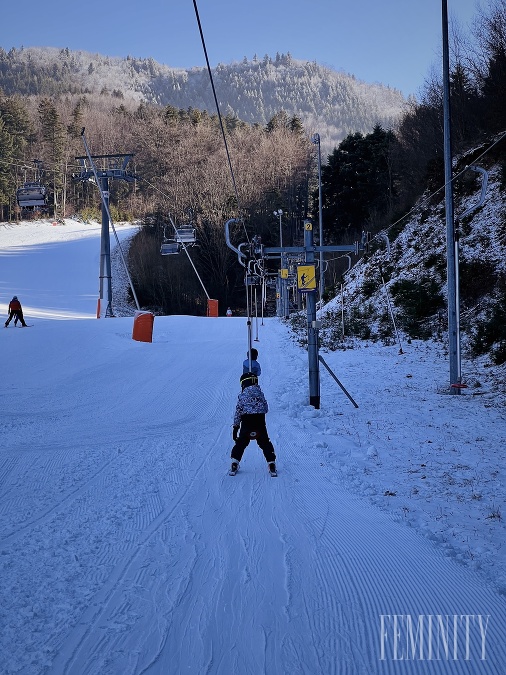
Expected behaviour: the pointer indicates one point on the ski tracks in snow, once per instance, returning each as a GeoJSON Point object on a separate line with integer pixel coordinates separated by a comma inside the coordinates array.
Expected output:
{"type": "Point", "coordinates": [167, 565]}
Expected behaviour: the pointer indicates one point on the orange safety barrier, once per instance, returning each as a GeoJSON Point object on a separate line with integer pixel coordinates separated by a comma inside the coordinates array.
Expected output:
{"type": "Point", "coordinates": [212, 307]}
{"type": "Point", "coordinates": [143, 326]}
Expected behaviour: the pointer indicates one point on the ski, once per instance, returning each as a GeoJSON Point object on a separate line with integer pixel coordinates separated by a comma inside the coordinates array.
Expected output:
{"type": "Point", "coordinates": [274, 474]}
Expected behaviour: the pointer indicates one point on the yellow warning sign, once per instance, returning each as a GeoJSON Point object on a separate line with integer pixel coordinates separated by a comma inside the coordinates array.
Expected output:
{"type": "Point", "coordinates": [283, 273]}
{"type": "Point", "coordinates": [308, 225]}
{"type": "Point", "coordinates": [306, 277]}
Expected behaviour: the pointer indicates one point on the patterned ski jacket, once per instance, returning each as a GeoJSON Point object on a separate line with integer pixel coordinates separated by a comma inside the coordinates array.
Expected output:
{"type": "Point", "coordinates": [251, 401]}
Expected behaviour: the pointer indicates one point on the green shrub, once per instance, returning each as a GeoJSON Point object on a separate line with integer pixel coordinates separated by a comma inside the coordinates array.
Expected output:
{"type": "Point", "coordinates": [476, 279]}
{"type": "Point", "coordinates": [498, 354]}
{"type": "Point", "coordinates": [90, 213]}
{"type": "Point", "coordinates": [418, 302]}
{"type": "Point", "coordinates": [502, 176]}
{"type": "Point", "coordinates": [370, 286]}
{"type": "Point", "coordinates": [490, 333]}
{"type": "Point", "coordinates": [435, 261]}
{"type": "Point", "coordinates": [358, 322]}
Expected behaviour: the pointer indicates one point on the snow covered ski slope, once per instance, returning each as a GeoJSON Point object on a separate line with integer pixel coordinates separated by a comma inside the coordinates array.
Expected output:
{"type": "Point", "coordinates": [125, 548]}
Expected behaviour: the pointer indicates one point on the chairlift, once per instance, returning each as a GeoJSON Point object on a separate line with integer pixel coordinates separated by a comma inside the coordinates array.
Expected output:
{"type": "Point", "coordinates": [186, 235]}
{"type": "Point", "coordinates": [183, 236]}
{"type": "Point", "coordinates": [170, 248]}
{"type": "Point", "coordinates": [31, 195]}
{"type": "Point", "coordinates": [253, 280]}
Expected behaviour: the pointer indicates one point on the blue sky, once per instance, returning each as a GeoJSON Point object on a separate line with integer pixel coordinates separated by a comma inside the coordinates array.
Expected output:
{"type": "Point", "coordinates": [394, 42]}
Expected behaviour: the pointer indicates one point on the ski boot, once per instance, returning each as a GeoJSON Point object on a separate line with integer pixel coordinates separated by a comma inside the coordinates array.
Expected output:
{"type": "Point", "coordinates": [234, 468]}
{"type": "Point", "coordinates": [272, 469]}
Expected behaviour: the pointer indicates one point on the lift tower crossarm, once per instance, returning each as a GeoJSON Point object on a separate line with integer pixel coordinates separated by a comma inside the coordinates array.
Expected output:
{"type": "Point", "coordinates": [277, 250]}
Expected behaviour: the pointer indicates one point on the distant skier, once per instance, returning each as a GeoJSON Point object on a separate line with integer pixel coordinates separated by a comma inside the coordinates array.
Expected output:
{"type": "Point", "coordinates": [228, 312]}
{"type": "Point", "coordinates": [255, 366]}
{"type": "Point", "coordinates": [249, 424]}
{"type": "Point", "coordinates": [15, 311]}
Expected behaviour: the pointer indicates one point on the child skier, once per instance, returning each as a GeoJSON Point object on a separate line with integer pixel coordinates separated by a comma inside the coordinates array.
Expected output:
{"type": "Point", "coordinates": [255, 366]}
{"type": "Point", "coordinates": [249, 423]}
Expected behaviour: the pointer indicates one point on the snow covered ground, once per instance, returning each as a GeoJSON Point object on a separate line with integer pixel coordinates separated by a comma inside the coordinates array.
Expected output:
{"type": "Point", "coordinates": [125, 548]}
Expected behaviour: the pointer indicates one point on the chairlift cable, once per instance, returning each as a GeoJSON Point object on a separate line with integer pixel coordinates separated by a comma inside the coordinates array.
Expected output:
{"type": "Point", "coordinates": [429, 197]}
{"type": "Point", "coordinates": [230, 168]}
{"type": "Point", "coordinates": [218, 111]}
{"type": "Point", "coordinates": [185, 248]}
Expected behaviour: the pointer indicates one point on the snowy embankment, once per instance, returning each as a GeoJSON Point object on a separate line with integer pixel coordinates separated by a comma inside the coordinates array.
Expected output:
{"type": "Point", "coordinates": [125, 547]}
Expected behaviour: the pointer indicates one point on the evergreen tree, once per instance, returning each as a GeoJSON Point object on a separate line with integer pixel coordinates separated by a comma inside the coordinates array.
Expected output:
{"type": "Point", "coordinates": [491, 31]}
{"type": "Point", "coordinates": [359, 183]}
{"type": "Point", "coordinates": [17, 123]}
{"type": "Point", "coordinates": [54, 135]}
{"type": "Point", "coordinates": [76, 124]}
{"type": "Point", "coordinates": [15, 132]}
{"type": "Point", "coordinates": [6, 157]}
{"type": "Point", "coordinates": [278, 121]}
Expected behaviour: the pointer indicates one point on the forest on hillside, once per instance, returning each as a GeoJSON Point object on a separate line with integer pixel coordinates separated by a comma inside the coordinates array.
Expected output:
{"type": "Point", "coordinates": [326, 101]}
{"type": "Point", "coordinates": [180, 166]}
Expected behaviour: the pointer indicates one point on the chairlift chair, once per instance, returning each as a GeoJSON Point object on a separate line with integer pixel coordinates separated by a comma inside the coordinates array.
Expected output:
{"type": "Point", "coordinates": [170, 248]}
{"type": "Point", "coordinates": [31, 195]}
{"type": "Point", "coordinates": [253, 280]}
{"type": "Point", "coordinates": [186, 235]}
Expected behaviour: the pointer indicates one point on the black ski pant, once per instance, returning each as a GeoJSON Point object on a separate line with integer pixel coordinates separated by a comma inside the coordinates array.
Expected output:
{"type": "Point", "coordinates": [253, 429]}
{"type": "Point", "coordinates": [19, 316]}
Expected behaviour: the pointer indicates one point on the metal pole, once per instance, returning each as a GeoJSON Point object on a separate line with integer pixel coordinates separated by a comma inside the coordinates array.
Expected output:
{"type": "Point", "coordinates": [105, 205]}
{"type": "Point", "coordinates": [105, 252]}
{"type": "Point", "coordinates": [286, 295]}
{"type": "Point", "coordinates": [336, 379]}
{"type": "Point", "coordinates": [342, 311]}
{"type": "Point", "coordinates": [316, 141]}
{"type": "Point", "coordinates": [312, 330]}
{"type": "Point", "coordinates": [284, 311]}
{"type": "Point", "coordinates": [451, 248]}
{"type": "Point", "coordinates": [390, 310]}
{"type": "Point", "coordinates": [264, 290]}
{"type": "Point", "coordinates": [248, 312]}
{"type": "Point", "coordinates": [457, 276]}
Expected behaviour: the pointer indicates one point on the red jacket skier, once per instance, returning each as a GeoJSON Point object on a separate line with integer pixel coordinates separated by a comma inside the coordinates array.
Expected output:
{"type": "Point", "coordinates": [15, 310]}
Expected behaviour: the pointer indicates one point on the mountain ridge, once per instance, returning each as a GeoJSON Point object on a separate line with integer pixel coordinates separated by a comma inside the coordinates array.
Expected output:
{"type": "Point", "coordinates": [330, 102]}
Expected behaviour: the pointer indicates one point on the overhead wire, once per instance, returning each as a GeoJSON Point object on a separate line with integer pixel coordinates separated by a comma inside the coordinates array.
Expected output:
{"type": "Point", "coordinates": [231, 168]}
{"type": "Point", "coordinates": [426, 199]}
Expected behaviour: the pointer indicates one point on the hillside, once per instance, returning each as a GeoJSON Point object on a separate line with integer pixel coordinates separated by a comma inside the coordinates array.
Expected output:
{"type": "Point", "coordinates": [406, 265]}
{"type": "Point", "coordinates": [329, 102]}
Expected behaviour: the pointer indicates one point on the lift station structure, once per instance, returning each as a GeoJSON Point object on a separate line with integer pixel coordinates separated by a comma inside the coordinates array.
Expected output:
{"type": "Point", "coordinates": [110, 167]}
